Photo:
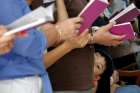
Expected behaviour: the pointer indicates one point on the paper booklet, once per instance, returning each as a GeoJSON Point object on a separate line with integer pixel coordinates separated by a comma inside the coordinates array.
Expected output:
{"type": "Point", "coordinates": [33, 19]}
{"type": "Point", "coordinates": [91, 12]}
{"type": "Point", "coordinates": [124, 29]}
{"type": "Point", "coordinates": [127, 15]}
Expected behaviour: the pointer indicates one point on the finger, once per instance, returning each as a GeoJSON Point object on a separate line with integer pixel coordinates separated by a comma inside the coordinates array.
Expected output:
{"type": "Point", "coordinates": [77, 26]}
{"type": "Point", "coordinates": [6, 50]}
{"type": "Point", "coordinates": [77, 20]}
{"type": "Point", "coordinates": [84, 33]}
{"type": "Point", "coordinates": [2, 30]}
{"type": "Point", "coordinates": [10, 44]}
{"type": "Point", "coordinates": [116, 43]}
{"type": "Point", "coordinates": [108, 26]}
{"type": "Point", "coordinates": [118, 37]}
{"type": "Point", "coordinates": [7, 38]}
{"type": "Point", "coordinates": [3, 45]}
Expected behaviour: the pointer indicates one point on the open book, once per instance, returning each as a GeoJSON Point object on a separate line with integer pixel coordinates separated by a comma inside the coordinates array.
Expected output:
{"type": "Point", "coordinates": [33, 19]}
{"type": "Point", "coordinates": [91, 12]}
{"type": "Point", "coordinates": [124, 29]}
{"type": "Point", "coordinates": [127, 15]}
{"type": "Point", "coordinates": [26, 26]}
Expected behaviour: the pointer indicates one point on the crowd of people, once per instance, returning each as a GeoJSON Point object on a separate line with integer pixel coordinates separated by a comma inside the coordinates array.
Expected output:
{"type": "Point", "coordinates": [55, 58]}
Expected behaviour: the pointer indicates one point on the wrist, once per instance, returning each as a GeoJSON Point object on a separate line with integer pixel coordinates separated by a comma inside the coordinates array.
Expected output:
{"type": "Point", "coordinates": [92, 37]}
{"type": "Point", "coordinates": [69, 45]}
{"type": "Point", "coordinates": [59, 34]}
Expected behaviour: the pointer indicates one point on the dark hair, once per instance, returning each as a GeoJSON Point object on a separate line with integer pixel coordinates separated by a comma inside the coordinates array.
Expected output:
{"type": "Point", "coordinates": [104, 82]}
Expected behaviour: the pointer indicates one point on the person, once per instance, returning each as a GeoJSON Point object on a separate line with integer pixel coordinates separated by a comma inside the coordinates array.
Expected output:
{"type": "Point", "coordinates": [102, 63]}
{"type": "Point", "coordinates": [22, 69]}
{"type": "Point", "coordinates": [99, 68]}
{"type": "Point", "coordinates": [103, 70]}
{"type": "Point", "coordinates": [69, 64]}
{"type": "Point", "coordinates": [77, 64]}
{"type": "Point", "coordinates": [116, 88]}
{"type": "Point", "coordinates": [6, 42]}
{"type": "Point", "coordinates": [52, 56]}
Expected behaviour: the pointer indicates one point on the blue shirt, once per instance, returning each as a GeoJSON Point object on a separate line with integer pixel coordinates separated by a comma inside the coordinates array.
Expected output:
{"type": "Point", "coordinates": [26, 58]}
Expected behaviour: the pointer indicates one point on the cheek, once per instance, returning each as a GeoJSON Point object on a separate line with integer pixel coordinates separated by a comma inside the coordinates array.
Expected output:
{"type": "Point", "coordinates": [96, 71]}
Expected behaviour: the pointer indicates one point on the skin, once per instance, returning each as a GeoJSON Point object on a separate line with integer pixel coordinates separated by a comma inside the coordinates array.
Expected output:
{"type": "Point", "coordinates": [97, 38]}
{"type": "Point", "coordinates": [6, 42]}
{"type": "Point", "coordinates": [76, 42]}
{"type": "Point", "coordinates": [99, 68]}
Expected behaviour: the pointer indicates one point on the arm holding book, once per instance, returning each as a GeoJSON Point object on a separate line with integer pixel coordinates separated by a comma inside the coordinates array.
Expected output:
{"type": "Point", "coordinates": [62, 31]}
{"type": "Point", "coordinates": [76, 42]}
{"type": "Point", "coordinates": [104, 37]}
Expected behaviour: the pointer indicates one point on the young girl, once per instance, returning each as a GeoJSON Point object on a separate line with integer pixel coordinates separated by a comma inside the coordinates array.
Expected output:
{"type": "Point", "coordinates": [102, 71]}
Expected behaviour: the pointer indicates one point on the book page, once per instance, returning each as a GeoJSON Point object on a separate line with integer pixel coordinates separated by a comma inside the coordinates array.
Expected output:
{"type": "Point", "coordinates": [129, 8]}
{"type": "Point", "coordinates": [40, 12]}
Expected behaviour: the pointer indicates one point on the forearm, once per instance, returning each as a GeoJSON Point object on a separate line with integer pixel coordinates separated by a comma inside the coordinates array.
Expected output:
{"type": "Point", "coordinates": [51, 57]}
{"type": "Point", "coordinates": [61, 10]}
{"type": "Point", "coordinates": [52, 36]}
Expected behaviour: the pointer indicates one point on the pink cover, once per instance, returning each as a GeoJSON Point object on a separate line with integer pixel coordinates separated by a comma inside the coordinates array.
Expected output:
{"type": "Point", "coordinates": [92, 13]}
{"type": "Point", "coordinates": [129, 16]}
{"type": "Point", "coordinates": [124, 29]}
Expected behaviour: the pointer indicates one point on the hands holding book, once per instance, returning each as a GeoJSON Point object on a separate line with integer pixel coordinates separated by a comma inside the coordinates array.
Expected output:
{"type": "Point", "coordinates": [6, 42]}
{"type": "Point", "coordinates": [61, 31]}
{"type": "Point", "coordinates": [104, 37]}
{"type": "Point", "coordinates": [68, 28]}
{"type": "Point", "coordinates": [79, 41]}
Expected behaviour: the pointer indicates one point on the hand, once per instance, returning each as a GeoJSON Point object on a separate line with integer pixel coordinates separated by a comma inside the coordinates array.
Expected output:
{"type": "Point", "coordinates": [6, 42]}
{"type": "Point", "coordinates": [68, 28]}
{"type": "Point", "coordinates": [104, 37]}
{"type": "Point", "coordinates": [79, 41]}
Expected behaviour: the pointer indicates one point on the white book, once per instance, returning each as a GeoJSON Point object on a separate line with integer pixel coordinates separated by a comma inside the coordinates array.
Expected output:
{"type": "Point", "coordinates": [35, 18]}
{"type": "Point", "coordinates": [26, 26]}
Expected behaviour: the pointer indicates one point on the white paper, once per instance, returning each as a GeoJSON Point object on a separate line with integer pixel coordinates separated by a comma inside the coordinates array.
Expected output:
{"type": "Point", "coordinates": [47, 1]}
{"type": "Point", "coordinates": [38, 13]}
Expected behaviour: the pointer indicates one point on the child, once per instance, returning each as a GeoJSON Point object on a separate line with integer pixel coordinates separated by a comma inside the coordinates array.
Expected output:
{"type": "Point", "coordinates": [115, 88]}
{"type": "Point", "coordinates": [103, 69]}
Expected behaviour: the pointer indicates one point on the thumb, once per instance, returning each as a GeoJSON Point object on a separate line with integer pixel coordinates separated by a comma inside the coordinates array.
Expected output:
{"type": "Point", "coordinates": [84, 33]}
{"type": "Point", "coordinates": [2, 30]}
{"type": "Point", "coordinates": [108, 26]}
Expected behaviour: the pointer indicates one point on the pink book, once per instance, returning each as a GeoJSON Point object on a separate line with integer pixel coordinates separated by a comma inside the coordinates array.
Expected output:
{"type": "Point", "coordinates": [127, 15]}
{"type": "Point", "coordinates": [91, 12]}
{"type": "Point", "coordinates": [124, 29]}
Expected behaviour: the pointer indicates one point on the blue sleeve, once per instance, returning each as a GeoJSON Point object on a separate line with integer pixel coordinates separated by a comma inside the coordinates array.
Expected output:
{"type": "Point", "coordinates": [34, 44]}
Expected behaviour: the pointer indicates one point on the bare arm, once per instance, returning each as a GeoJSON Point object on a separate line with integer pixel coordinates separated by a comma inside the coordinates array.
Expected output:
{"type": "Point", "coordinates": [104, 37]}
{"type": "Point", "coordinates": [51, 57]}
{"type": "Point", "coordinates": [61, 10]}
{"type": "Point", "coordinates": [76, 42]}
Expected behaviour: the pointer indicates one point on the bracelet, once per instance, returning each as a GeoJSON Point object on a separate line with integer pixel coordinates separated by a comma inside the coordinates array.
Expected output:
{"type": "Point", "coordinates": [59, 31]}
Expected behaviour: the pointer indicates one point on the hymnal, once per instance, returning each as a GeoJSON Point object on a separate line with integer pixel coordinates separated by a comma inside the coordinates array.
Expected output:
{"type": "Point", "coordinates": [126, 15]}
{"type": "Point", "coordinates": [91, 12]}
{"type": "Point", "coordinates": [124, 29]}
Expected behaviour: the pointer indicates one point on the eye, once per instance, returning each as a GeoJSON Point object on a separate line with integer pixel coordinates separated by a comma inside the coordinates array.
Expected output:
{"type": "Point", "coordinates": [98, 66]}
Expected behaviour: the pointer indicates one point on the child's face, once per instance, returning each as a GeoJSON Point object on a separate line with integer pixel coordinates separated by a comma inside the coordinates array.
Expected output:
{"type": "Point", "coordinates": [100, 64]}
